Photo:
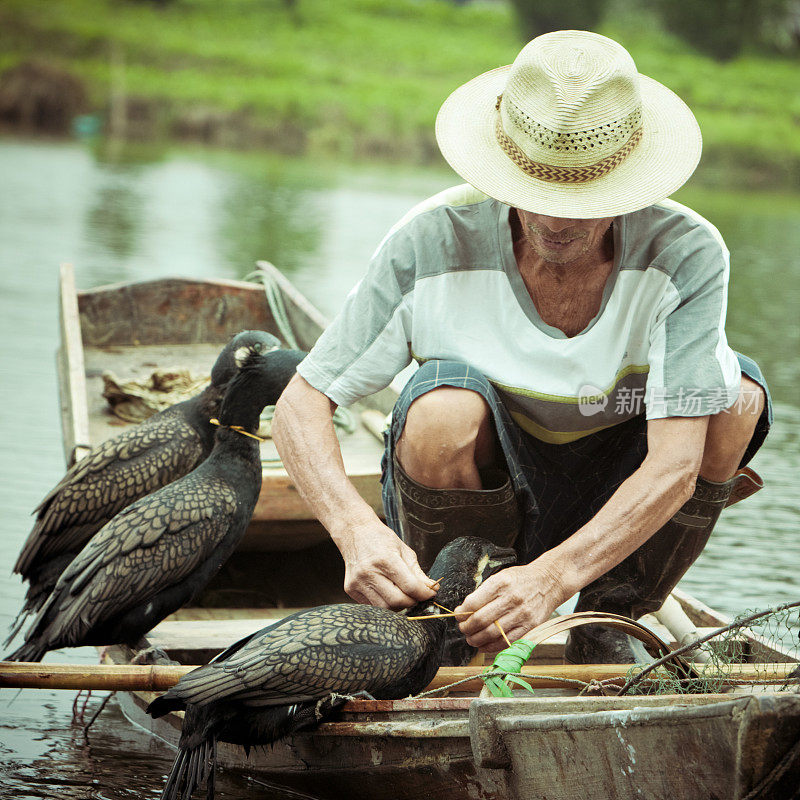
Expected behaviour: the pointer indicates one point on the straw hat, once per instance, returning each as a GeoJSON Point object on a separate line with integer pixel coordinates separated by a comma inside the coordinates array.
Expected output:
{"type": "Point", "coordinates": [570, 129]}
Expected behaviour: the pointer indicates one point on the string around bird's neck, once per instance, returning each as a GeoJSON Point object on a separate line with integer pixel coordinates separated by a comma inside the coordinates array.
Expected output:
{"type": "Point", "coordinates": [237, 429]}
{"type": "Point", "coordinates": [460, 614]}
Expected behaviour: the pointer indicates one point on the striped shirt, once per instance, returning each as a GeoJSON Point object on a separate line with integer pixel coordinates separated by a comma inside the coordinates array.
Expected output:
{"type": "Point", "coordinates": [444, 284]}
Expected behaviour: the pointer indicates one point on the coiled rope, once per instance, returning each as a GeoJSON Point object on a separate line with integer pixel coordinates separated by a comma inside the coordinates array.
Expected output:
{"type": "Point", "coordinates": [343, 420]}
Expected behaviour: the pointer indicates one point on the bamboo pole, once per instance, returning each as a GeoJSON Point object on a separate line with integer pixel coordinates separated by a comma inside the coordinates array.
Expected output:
{"type": "Point", "coordinates": [115, 677]}
{"type": "Point", "coordinates": [134, 677]}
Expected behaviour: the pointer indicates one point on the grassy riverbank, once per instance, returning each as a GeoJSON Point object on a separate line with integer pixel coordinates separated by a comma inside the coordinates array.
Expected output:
{"type": "Point", "coordinates": [359, 78]}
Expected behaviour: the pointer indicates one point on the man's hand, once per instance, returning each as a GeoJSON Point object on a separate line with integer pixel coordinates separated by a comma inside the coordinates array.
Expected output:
{"type": "Point", "coordinates": [519, 598]}
{"type": "Point", "coordinates": [381, 570]}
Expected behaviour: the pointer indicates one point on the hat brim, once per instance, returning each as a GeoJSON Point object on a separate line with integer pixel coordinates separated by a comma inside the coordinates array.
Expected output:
{"type": "Point", "coordinates": [661, 162]}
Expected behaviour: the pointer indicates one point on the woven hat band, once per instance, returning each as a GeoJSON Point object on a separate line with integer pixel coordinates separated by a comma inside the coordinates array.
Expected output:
{"type": "Point", "coordinates": [559, 174]}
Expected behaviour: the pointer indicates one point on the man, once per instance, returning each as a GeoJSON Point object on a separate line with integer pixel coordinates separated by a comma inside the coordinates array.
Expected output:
{"type": "Point", "coordinates": [577, 395]}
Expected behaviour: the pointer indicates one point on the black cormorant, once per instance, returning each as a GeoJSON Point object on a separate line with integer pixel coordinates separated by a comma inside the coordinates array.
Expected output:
{"type": "Point", "coordinates": [160, 551]}
{"type": "Point", "coordinates": [291, 675]}
{"type": "Point", "coordinates": [122, 469]}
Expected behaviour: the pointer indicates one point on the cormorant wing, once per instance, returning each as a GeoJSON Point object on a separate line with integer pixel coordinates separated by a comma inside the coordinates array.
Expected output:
{"type": "Point", "coordinates": [114, 474]}
{"type": "Point", "coordinates": [341, 648]}
{"type": "Point", "coordinates": [150, 546]}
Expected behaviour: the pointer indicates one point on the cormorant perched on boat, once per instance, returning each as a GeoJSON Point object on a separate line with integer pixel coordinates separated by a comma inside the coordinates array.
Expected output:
{"type": "Point", "coordinates": [159, 552]}
{"type": "Point", "coordinates": [122, 469]}
{"type": "Point", "coordinates": [291, 675]}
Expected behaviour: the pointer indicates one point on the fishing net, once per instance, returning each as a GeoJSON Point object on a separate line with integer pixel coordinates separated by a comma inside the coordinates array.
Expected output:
{"type": "Point", "coordinates": [758, 650]}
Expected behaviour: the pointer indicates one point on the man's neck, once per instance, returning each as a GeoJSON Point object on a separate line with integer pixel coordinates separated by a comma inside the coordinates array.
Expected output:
{"type": "Point", "coordinates": [567, 296]}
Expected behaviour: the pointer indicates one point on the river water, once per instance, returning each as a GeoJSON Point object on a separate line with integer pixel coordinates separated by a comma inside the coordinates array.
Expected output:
{"type": "Point", "coordinates": [120, 214]}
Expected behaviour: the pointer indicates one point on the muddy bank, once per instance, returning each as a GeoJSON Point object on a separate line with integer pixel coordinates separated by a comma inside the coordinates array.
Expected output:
{"type": "Point", "coordinates": [40, 98]}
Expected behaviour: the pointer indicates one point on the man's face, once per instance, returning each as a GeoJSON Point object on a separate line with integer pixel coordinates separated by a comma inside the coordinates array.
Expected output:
{"type": "Point", "coordinates": [563, 241]}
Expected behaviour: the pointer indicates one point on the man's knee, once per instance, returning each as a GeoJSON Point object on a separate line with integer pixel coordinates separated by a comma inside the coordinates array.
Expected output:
{"type": "Point", "coordinates": [445, 419]}
{"type": "Point", "coordinates": [447, 432]}
{"type": "Point", "coordinates": [737, 423]}
{"type": "Point", "coordinates": [752, 399]}
{"type": "Point", "coordinates": [730, 432]}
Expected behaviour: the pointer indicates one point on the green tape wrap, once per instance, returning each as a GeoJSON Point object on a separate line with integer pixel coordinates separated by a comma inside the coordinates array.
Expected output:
{"type": "Point", "coordinates": [509, 660]}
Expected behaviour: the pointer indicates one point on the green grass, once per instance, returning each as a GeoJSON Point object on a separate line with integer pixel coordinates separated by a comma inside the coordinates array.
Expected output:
{"type": "Point", "coordinates": [361, 75]}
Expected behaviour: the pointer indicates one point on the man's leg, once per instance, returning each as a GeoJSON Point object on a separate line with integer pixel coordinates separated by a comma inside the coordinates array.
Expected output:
{"type": "Point", "coordinates": [641, 583]}
{"type": "Point", "coordinates": [441, 478]}
{"type": "Point", "coordinates": [444, 480]}
{"type": "Point", "coordinates": [447, 438]}
{"type": "Point", "coordinates": [455, 463]}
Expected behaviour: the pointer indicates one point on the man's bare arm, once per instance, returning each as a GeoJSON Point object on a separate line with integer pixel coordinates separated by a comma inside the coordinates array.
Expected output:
{"type": "Point", "coordinates": [522, 597]}
{"type": "Point", "coordinates": [379, 568]}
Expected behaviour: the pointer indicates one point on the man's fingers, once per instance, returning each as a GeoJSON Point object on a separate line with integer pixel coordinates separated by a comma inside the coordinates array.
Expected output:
{"type": "Point", "coordinates": [497, 586]}
{"type": "Point", "coordinates": [378, 590]}
{"type": "Point", "coordinates": [484, 617]}
{"type": "Point", "coordinates": [412, 580]}
{"type": "Point", "coordinates": [385, 572]}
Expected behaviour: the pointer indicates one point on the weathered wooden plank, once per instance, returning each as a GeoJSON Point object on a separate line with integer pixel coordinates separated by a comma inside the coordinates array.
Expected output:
{"type": "Point", "coordinates": [280, 500]}
{"type": "Point", "coordinates": [171, 310]}
{"type": "Point", "coordinates": [72, 386]}
{"type": "Point", "coordinates": [210, 634]}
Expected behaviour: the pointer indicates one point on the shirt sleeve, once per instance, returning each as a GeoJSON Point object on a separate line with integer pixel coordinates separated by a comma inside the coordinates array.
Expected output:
{"type": "Point", "coordinates": [693, 371]}
{"type": "Point", "coordinates": [367, 344]}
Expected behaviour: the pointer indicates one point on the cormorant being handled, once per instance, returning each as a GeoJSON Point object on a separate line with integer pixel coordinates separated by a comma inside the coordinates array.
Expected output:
{"type": "Point", "coordinates": [291, 675]}
{"type": "Point", "coordinates": [160, 552]}
{"type": "Point", "coordinates": [122, 469]}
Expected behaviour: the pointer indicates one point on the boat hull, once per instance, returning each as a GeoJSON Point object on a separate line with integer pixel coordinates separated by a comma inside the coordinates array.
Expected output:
{"type": "Point", "coordinates": [559, 748]}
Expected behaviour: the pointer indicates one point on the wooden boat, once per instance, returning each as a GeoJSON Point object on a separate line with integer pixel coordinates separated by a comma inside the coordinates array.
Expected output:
{"type": "Point", "coordinates": [558, 745]}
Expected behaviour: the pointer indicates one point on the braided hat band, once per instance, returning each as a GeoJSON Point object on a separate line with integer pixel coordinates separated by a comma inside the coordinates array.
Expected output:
{"type": "Point", "coordinates": [570, 130]}
{"type": "Point", "coordinates": [553, 172]}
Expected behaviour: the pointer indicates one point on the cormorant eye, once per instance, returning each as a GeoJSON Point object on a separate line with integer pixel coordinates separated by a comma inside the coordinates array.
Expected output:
{"type": "Point", "coordinates": [258, 347]}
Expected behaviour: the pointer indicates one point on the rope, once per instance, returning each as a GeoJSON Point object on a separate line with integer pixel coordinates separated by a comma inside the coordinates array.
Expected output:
{"type": "Point", "coordinates": [573, 682]}
{"type": "Point", "coordinates": [237, 429]}
{"type": "Point", "coordinates": [96, 715]}
{"type": "Point", "coordinates": [585, 686]}
{"type": "Point", "coordinates": [464, 613]}
{"type": "Point", "coordinates": [276, 305]}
